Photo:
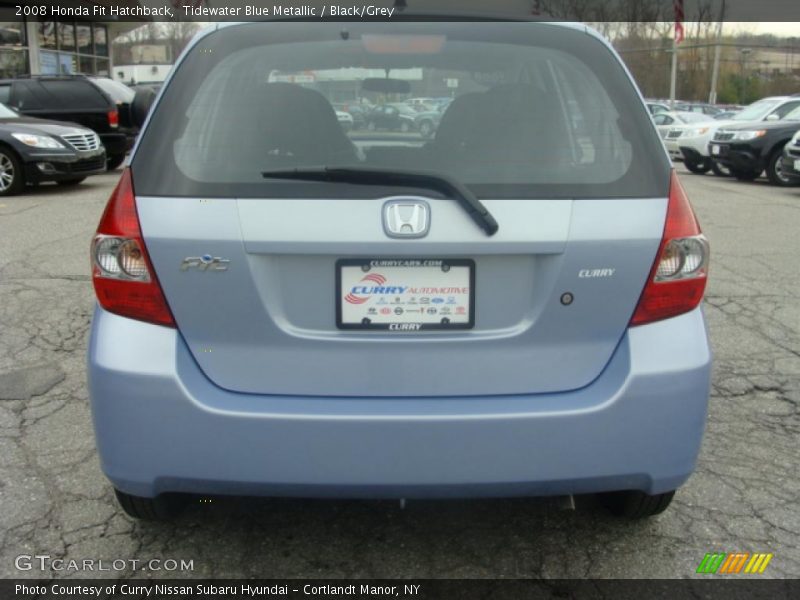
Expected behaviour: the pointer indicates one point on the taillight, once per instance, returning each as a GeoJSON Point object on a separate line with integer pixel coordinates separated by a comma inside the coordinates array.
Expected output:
{"type": "Point", "coordinates": [124, 280]}
{"type": "Point", "coordinates": [677, 280]}
{"type": "Point", "coordinates": [113, 118]}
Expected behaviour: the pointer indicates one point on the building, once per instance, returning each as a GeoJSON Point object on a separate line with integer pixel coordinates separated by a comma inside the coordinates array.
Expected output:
{"type": "Point", "coordinates": [31, 45]}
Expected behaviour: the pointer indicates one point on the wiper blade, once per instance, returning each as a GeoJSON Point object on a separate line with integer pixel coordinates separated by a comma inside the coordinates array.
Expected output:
{"type": "Point", "coordinates": [374, 176]}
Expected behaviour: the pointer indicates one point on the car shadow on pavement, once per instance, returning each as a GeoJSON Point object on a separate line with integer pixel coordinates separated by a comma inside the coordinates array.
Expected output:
{"type": "Point", "coordinates": [521, 537]}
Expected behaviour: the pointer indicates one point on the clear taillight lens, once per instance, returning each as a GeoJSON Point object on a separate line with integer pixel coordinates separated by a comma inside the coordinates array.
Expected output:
{"type": "Point", "coordinates": [677, 280]}
{"type": "Point", "coordinates": [124, 280]}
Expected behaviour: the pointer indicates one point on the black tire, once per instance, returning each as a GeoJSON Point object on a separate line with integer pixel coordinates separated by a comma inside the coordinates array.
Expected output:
{"type": "Point", "coordinates": [114, 161]}
{"type": "Point", "coordinates": [699, 168]}
{"type": "Point", "coordinates": [12, 177]}
{"type": "Point", "coordinates": [75, 181]}
{"type": "Point", "coordinates": [745, 175]}
{"type": "Point", "coordinates": [160, 508]}
{"type": "Point", "coordinates": [775, 172]}
{"type": "Point", "coordinates": [634, 504]}
{"type": "Point", "coordinates": [426, 128]}
{"type": "Point", "coordinates": [720, 170]}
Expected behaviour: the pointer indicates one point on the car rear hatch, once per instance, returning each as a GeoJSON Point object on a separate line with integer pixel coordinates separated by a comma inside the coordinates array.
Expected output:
{"type": "Point", "coordinates": [304, 285]}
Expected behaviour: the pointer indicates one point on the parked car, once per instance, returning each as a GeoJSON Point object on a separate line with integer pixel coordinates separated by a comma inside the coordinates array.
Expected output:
{"type": "Point", "coordinates": [426, 122]}
{"type": "Point", "coordinates": [392, 117]}
{"type": "Point", "coordinates": [698, 107]}
{"type": "Point", "coordinates": [98, 103]}
{"type": "Point", "coordinates": [421, 104]}
{"type": "Point", "coordinates": [34, 151]}
{"type": "Point", "coordinates": [665, 121]}
{"type": "Point", "coordinates": [657, 107]}
{"type": "Point", "coordinates": [440, 104]}
{"type": "Point", "coordinates": [691, 143]}
{"type": "Point", "coordinates": [356, 111]}
{"type": "Point", "coordinates": [747, 150]}
{"type": "Point", "coordinates": [791, 157]}
{"type": "Point", "coordinates": [510, 309]}
{"type": "Point", "coordinates": [345, 119]}
{"type": "Point", "coordinates": [725, 115]}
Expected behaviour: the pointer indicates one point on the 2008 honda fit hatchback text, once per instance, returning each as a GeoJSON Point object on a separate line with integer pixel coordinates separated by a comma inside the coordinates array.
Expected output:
{"type": "Point", "coordinates": [290, 306]}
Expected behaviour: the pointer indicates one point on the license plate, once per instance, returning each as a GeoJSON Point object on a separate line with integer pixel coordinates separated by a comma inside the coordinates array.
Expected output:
{"type": "Point", "coordinates": [797, 165]}
{"type": "Point", "coordinates": [714, 149]}
{"type": "Point", "coordinates": [405, 294]}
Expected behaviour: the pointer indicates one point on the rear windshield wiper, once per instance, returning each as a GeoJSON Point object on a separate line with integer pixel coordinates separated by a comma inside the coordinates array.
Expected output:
{"type": "Point", "coordinates": [372, 176]}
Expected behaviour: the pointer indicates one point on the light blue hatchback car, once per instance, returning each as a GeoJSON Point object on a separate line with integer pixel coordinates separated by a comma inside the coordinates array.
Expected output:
{"type": "Point", "coordinates": [287, 307]}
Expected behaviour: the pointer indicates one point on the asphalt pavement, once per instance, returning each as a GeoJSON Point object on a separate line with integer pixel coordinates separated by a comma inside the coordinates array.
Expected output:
{"type": "Point", "coordinates": [743, 496]}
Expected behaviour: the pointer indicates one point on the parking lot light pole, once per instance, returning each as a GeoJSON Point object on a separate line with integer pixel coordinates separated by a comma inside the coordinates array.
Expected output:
{"type": "Point", "coordinates": [712, 95]}
{"type": "Point", "coordinates": [673, 75]}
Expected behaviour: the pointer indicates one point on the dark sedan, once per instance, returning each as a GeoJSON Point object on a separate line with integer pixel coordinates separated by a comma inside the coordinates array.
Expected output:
{"type": "Point", "coordinates": [34, 150]}
{"type": "Point", "coordinates": [394, 117]}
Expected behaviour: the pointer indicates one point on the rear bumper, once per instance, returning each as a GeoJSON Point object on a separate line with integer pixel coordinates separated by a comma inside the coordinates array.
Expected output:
{"type": "Point", "coordinates": [161, 426]}
{"type": "Point", "coordinates": [117, 143]}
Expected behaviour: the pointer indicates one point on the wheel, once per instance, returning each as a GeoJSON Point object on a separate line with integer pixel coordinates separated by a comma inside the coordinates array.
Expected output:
{"type": "Point", "coordinates": [75, 181]}
{"type": "Point", "coordinates": [426, 128]}
{"type": "Point", "coordinates": [115, 160]}
{"type": "Point", "coordinates": [720, 170]}
{"type": "Point", "coordinates": [775, 172]}
{"type": "Point", "coordinates": [12, 179]}
{"type": "Point", "coordinates": [697, 167]}
{"type": "Point", "coordinates": [160, 508]}
{"type": "Point", "coordinates": [405, 127]}
{"type": "Point", "coordinates": [633, 504]}
{"type": "Point", "coordinates": [745, 175]}
{"type": "Point", "coordinates": [371, 126]}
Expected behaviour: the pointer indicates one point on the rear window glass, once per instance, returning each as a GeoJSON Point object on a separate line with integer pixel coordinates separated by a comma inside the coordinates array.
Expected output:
{"type": "Point", "coordinates": [28, 96]}
{"type": "Point", "coordinates": [118, 92]}
{"type": "Point", "coordinates": [74, 94]}
{"type": "Point", "coordinates": [511, 110]}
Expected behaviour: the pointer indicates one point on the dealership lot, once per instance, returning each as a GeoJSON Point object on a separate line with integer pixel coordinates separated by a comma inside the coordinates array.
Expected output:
{"type": "Point", "coordinates": [743, 496]}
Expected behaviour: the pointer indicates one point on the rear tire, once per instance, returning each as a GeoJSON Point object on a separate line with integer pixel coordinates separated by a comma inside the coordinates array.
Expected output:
{"type": "Point", "coordinates": [699, 168]}
{"type": "Point", "coordinates": [12, 178]}
{"type": "Point", "coordinates": [720, 170]}
{"type": "Point", "coordinates": [775, 172]}
{"type": "Point", "coordinates": [633, 504]}
{"type": "Point", "coordinates": [68, 182]}
{"type": "Point", "coordinates": [745, 175]}
{"type": "Point", "coordinates": [114, 161]}
{"type": "Point", "coordinates": [160, 508]}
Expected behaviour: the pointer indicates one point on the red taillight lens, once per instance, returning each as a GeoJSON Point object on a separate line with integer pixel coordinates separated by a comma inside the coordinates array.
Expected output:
{"type": "Point", "coordinates": [113, 118]}
{"type": "Point", "coordinates": [677, 280]}
{"type": "Point", "coordinates": [123, 277]}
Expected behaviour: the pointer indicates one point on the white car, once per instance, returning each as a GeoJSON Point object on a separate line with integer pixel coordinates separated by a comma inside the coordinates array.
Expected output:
{"type": "Point", "coordinates": [345, 119]}
{"type": "Point", "coordinates": [666, 121]}
{"type": "Point", "coordinates": [689, 143]}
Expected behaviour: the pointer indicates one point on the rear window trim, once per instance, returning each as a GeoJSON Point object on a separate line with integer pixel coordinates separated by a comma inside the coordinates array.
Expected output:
{"type": "Point", "coordinates": [149, 173]}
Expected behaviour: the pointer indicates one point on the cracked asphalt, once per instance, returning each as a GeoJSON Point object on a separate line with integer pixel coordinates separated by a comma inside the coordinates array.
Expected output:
{"type": "Point", "coordinates": [743, 497]}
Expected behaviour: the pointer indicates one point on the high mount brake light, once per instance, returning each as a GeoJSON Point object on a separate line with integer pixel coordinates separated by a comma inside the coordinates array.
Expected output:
{"type": "Point", "coordinates": [123, 276]}
{"type": "Point", "coordinates": [677, 281]}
